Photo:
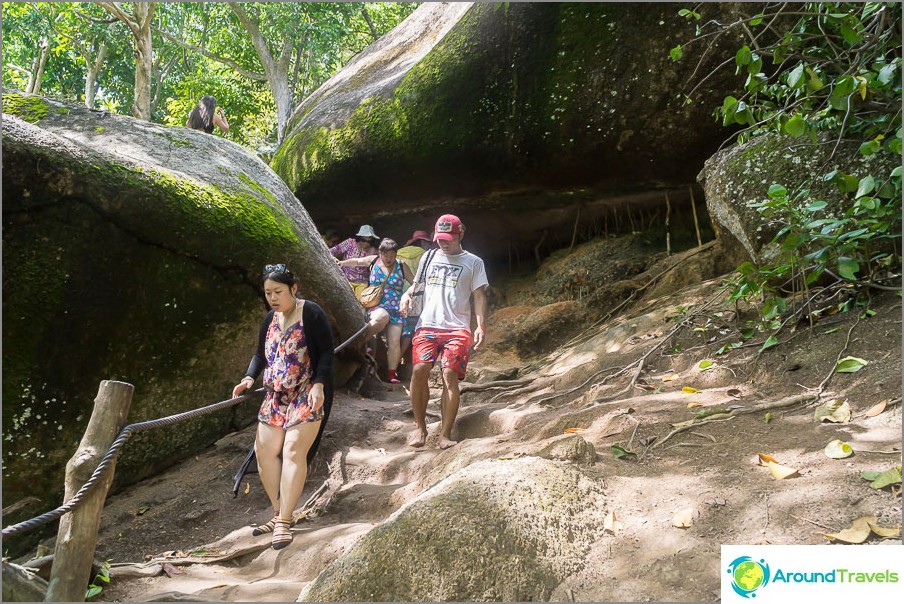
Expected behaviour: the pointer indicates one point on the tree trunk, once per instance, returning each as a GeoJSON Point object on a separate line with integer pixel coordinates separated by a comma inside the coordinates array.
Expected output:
{"type": "Point", "coordinates": [277, 70]}
{"type": "Point", "coordinates": [77, 535]}
{"type": "Point", "coordinates": [144, 56]}
{"type": "Point", "coordinates": [91, 78]}
{"type": "Point", "coordinates": [283, 97]}
{"type": "Point", "coordinates": [140, 26]}
{"type": "Point", "coordinates": [37, 70]}
{"type": "Point", "coordinates": [370, 24]}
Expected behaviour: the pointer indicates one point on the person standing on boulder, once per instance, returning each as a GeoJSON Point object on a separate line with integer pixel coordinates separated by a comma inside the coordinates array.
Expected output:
{"type": "Point", "coordinates": [444, 329]}
{"type": "Point", "coordinates": [295, 352]}
{"type": "Point", "coordinates": [206, 115]}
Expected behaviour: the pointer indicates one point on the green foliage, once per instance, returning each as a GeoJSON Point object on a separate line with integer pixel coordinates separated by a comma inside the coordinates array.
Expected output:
{"type": "Point", "coordinates": [813, 71]}
{"type": "Point", "coordinates": [319, 38]}
{"type": "Point", "coordinates": [101, 580]}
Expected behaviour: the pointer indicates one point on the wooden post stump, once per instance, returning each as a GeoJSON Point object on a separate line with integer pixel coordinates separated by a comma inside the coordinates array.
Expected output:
{"type": "Point", "coordinates": [77, 536]}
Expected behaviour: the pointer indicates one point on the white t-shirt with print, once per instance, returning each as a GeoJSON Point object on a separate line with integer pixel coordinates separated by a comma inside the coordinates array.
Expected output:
{"type": "Point", "coordinates": [449, 282]}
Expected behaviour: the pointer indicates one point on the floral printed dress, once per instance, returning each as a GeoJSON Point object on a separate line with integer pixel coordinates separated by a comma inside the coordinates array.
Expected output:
{"type": "Point", "coordinates": [392, 293]}
{"type": "Point", "coordinates": [287, 378]}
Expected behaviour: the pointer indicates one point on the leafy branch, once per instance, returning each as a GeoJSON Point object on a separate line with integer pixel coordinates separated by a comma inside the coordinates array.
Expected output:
{"type": "Point", "coordinates": [817, 71]}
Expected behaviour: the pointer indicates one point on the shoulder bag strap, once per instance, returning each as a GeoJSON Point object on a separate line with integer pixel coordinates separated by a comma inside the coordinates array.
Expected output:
{"type": "Point", "coordinates": [388, 272]}
{"type": "Point", "coordinates": [422, 269]}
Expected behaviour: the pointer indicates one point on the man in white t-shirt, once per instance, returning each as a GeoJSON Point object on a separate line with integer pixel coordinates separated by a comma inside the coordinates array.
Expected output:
{"type": "Point", "coordinates": [444, 328]}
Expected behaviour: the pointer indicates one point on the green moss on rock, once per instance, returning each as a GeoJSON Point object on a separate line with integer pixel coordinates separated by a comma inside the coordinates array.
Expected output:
{"type": "Point", "coordinates": [30, 108]}
{"type": "Point", "coordinates": [223, 209]}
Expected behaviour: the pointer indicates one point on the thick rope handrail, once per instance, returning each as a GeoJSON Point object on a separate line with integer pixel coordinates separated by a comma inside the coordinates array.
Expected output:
{"type": "Point", "coordinates": [111, 455]}
{"type": "Point", "coordinates": [124, 435]}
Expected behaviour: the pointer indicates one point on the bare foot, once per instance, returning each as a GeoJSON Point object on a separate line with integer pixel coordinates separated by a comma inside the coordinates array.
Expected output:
{"type": "Point", "coordinates": [418, 439]}
{"type": "Point", "coordinates": [445, 443]}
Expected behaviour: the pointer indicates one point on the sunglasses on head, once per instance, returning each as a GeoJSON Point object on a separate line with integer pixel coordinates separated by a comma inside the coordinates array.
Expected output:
{"type": "Point", "coordinates": [275, 268]}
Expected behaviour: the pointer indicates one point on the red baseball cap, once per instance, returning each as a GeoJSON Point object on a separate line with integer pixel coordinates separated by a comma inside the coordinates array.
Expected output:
{"type": "Point", "coordinates": [447, 227]}
{"type": "Point", "coordinates": [418, 236]}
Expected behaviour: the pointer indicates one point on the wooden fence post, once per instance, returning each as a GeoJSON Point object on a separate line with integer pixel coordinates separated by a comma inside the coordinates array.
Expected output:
{"type": "Point", "coordinates": [77, 536]}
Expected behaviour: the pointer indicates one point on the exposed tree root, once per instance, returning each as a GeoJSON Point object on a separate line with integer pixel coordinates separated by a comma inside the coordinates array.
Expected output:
{"type": "Point", "coordinates": [546, 399]}
{"type": "Point", "coordinates": [524, 389]}
{"type": "Point", "coordinates": [847, 341]}
{"type": "Point", "coordinates": [469, 387]}
{"type": "Point", "coordinates": [629, 389]}
{"type": "Point", "coordinates": [694, 423]}
{"type": "Point", "coordinates": [581, 338]}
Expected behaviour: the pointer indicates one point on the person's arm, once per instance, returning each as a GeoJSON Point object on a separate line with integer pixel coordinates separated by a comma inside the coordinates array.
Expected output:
{"type": "Point", "coordinates": [340, 250]}
{"type": "Point", "coordinates": [317, 324]}
{"type": "Point", "coordinates": [258, 360]}
{"type": "Point", "coordinates": [480, 309]}
{"type": "Point", "coordinates": [219, 120]}
{"type": "Point", "coordinates": [362, 261]}
{"type": "Point", "coordinates": [406, 273]}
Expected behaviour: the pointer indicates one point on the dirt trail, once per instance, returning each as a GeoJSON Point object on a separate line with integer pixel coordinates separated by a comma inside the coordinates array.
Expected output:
{"type": "Point", "coordinates": [617, 380]}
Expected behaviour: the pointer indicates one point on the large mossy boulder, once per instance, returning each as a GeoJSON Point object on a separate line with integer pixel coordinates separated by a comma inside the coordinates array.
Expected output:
{"type": "Point", "coordinates": [133, 252]}
{"type": "Point", "coordinates": [497, 531]}
{"type": "Point", "coordinates": [516, 115]}
{"type": "Point", "coordinates": [737, 179]}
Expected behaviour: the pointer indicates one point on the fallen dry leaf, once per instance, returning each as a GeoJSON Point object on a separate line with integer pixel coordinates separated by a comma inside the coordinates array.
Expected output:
{"type": "Point", "coordinates": [693, 404]}
{"type": "Point", "coordinates": [574, 430]}
{"type": "Point", "coordinates": [684, 518]}
{"type": "Point", "coordinates": [670, 378]}
{"type": "Point", "coordinates": [780, 472]}
{"type": "Point", "coordinates": [765, 459]}
{"type": "Point", "coordinates": [836, 411]}
{"type": "Point", "coordinates": [837, 449]}
{"type": "Point", "coordinates": [858, 532]}
{"type": "Point", "coordinates": [247, 488]}
{"type": "Point", "coordinates": [689, 390]}
{"type": "Point", "coordinates": [877, 408]}
{"type": "Point", "coordinates": [734, 392]}
{"type": "Point", "coordinates": [610, 523]}
{"type": "Point", "coordinates": [885, 532]}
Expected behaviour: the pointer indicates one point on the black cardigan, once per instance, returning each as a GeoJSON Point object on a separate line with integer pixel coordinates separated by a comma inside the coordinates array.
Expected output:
{"type": "Point", "coordinates": [319, 338]}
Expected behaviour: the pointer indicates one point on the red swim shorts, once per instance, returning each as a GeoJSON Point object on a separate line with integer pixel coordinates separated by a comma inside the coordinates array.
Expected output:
{"type": "Point", "coordinates": [451, 346]}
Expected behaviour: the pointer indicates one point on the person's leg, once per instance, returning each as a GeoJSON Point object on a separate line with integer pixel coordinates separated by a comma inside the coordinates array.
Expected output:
{"type": "Point", "coordinates": [379, 318]}
{"type": "Point", "coordinates": [295, 465]}
{"type": "Point", "coordinates": [267, 448]}
{"type": "Point", "coordinates": [455, 354]}
{"type": "Point", "coordinates": [420, 395]}
{"type": "Point", "coordinates": [423, 356]}
{"type": "Point", "coordinates": [393, 353]}
{"type": "Point", "coordinates": [449, 405]}
{"type": "Point", "coordinates": [298, 440]}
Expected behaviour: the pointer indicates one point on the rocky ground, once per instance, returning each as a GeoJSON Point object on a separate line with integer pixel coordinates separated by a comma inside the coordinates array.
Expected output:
{"type": "Point", "coordinates": [619, 373]}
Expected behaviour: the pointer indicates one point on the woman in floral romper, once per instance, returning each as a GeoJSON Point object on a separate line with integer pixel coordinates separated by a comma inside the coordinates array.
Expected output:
{"type": "Point", "coordinates": [295, 353]}
{"type": "Point", "coordinates": [386, 314]}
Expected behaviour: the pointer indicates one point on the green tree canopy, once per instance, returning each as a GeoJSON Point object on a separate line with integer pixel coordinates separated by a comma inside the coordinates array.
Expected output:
{"type": "Point", "coordinates": [79, 52]}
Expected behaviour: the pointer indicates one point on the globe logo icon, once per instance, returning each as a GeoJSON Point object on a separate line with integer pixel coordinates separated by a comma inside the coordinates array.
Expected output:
{"type": "Point", "coordinates": [748, 575]}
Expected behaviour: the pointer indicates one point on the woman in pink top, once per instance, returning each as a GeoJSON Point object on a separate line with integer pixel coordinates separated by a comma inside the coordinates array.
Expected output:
{"type": "Point", "coordinates": [364, 243]}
